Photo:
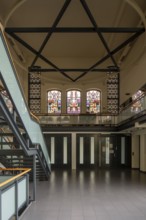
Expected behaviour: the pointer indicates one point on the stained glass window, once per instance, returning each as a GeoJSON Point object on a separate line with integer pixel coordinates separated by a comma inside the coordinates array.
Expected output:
{"type": "Point", "coordinates": [93, 101]}
{"type": "Point", "coordinates": [137, 105]}
{"type": "Point", "coordinates": [73, 101]}
{"type": "Point", "coordinates": [54, 101]}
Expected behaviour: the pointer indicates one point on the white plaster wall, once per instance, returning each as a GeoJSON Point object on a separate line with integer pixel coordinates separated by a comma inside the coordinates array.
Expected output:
{"type": "Point", "coordinates": [133, 69]}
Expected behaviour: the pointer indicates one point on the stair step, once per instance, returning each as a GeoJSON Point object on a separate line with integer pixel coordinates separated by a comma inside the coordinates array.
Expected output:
{"type": "Point", "coordinates": [11, 152]}
{"type": "Point", "coordinates": [6, 134]}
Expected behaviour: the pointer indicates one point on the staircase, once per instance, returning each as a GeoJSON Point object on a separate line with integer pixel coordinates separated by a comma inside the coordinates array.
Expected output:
{"type": "Point", "coordinates": [21, 140]}
{"type": "Point", "coordinates": [14, 155]}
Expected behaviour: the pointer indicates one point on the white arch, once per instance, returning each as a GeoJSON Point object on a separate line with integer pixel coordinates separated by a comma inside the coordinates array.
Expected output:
{"type": "Point", "coordinates": [139, 11]}
{"type": "Point", "coordinates": [14, 8]}
{"type": "Point", "coordinates": [135, 6]}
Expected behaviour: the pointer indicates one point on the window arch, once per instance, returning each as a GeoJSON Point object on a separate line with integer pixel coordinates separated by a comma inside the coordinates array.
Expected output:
{"type": "Point", "coordinates": [93, 101]}
{"type": "Point", "coordinates": [73, 101]}
{"type": "Point", "coordinates": [54, 101]}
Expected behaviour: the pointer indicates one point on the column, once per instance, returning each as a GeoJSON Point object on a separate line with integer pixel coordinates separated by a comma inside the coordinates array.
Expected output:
{"type": "Point", "coordinates": [73, 151]}
{"type": "Point", "coordinates": [143, 152]}
{"type": "Point", "coordinates": [135, 152]}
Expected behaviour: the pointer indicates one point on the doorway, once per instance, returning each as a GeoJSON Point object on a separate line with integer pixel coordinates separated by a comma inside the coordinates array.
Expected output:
{"type": "Point", "coordinates": [59, 148]}
{"type": "Point", "coordinates": [103, 151]}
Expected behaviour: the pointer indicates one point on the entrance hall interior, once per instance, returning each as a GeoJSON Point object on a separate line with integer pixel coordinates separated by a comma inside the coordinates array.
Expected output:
{"type": "Point", "coordinates": [72, 109]}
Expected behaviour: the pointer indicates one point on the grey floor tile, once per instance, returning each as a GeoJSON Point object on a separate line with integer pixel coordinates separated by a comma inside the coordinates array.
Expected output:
{"type": "Point", "coordinates": [106, 195]}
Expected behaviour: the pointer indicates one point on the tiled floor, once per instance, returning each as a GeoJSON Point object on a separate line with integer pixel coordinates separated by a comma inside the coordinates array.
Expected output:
{"type": "Point", "coordinates": [90, 195]}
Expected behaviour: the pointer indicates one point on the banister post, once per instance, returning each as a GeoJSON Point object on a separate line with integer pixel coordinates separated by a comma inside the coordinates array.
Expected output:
{"type": "Point", "coordinates": [34, 177]}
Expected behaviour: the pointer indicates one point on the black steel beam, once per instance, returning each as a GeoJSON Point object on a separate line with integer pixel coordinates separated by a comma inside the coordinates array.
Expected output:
{"type": "Point", "coordinates": [41, 56]}
{"type": "Point", "coordinates": [6, 134]}
{"type": "Point", "coordinates": [13, 125]}
{"type": "Point", "coordinates": [73, 30]}
{"type": "Point", "coordinates": [85, 6]}
{"type": "Point", "coordinates": [12, 152]}
{"type": "Point", "coordinates": [129, 40]}
{"type": "Point", "coordinates": [58, 18]}
{"type": "Point", "coordinates": [73, 70]}
{"type": "Point", "coordinates": [81, 128]}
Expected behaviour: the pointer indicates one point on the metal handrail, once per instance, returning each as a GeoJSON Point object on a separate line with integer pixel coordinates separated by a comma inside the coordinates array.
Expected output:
{"type": "Point", "coordinates": [34, 117]}
{"type": "Point", "coordinates": [25, 170]}
{"type": "Point", "coordinates": [132, 102]}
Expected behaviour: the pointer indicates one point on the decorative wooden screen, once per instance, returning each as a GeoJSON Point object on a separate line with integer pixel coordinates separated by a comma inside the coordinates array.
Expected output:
{"type": "Point", "coordinates": [113, 93]}
{"type": "Point", "coordinates": [34, 92]}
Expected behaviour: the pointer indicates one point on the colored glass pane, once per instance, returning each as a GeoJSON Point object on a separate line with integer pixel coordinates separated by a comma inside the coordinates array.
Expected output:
{"type": "Point", "coordinates": [93, 101]}
{"type": "Point", "coordinates": [54, 101]}
{"type": "Point", "coordinates": [73, 102]}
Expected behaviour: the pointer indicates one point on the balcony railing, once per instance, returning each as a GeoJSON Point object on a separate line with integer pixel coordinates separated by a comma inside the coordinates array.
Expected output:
{"type": "Point", "coordinates": [14, 192]}
{"type": "Point", "coordinates": [95, 119]}
{"type": "Point", "coordinates": [86, 119]}
{"type": "Point", "coordinates": [134, 108]}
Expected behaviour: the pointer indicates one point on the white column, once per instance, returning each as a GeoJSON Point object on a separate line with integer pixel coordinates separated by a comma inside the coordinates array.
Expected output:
{"type": "Point", "coordinates": [143, 152]}
{"type": "Point", "coordinates": [65, 150]}
{"type": "Point", "coordinates": [92, 150]}
{"type": "Point", "coordinates": [73, 151]}
{"type": "Point", "coordinates": [52, 150]}
{"type": "Point", "coordinates": [81, 150]}
{"type": "Point", "coordinates": [123, 150]}
{"type": "Point", "coordinates": [107, 155]}
{"type": "Point", "coordinates": [135, 152]}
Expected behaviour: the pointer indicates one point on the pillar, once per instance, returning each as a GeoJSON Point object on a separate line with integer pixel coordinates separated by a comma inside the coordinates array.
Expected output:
{"type": "Point", "coordinates": [73, 151]}
{"type": "Point", "coordinates": [135, 152]}
{"type": "Point", "coordinates": [143, 152]}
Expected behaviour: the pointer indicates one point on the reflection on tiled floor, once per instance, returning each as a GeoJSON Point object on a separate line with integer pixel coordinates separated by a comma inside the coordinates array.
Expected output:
{"type": "Point", "coordinates": [90, 195]}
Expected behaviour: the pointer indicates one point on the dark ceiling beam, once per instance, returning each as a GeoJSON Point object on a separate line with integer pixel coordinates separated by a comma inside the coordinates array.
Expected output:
{"type": "Point", "coordinates": [73, 30]}
{"type": "Point", "coordinates": [40, 56]}
{"type": "Point", "coordinates": [42, 70]}
{"type": "Point", "coordinates": [58, 18]}
{"type": "Point", "coordinates": [88, 12]}
{"type": "Point", "coordinates": [122, 45]}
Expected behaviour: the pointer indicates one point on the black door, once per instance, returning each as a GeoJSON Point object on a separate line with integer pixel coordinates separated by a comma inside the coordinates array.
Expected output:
{"type": "Point", "coordinates": [87, 151]}
{"type": "Point", "coordinates": [59, 147]}
{"type": "Point", "coordinates": [108, 151]}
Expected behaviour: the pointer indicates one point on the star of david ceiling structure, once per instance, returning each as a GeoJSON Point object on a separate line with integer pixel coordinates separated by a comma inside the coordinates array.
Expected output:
{"type": "Point", "coordinates": [73, 40]}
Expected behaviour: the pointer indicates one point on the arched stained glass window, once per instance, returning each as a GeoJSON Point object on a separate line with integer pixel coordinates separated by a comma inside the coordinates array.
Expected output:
{"type": "Point", "coordinates": [54, 101]}
{"type": "Point", "coordinates": [73, 101]}
{"type": "Point", "coordinates": [137, 105]}
{"type": "Point", "coordinates": [93, 101]}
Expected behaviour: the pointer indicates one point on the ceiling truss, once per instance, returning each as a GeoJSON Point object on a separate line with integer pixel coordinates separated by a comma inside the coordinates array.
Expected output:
{"type": "Point", "coordinates": [13, 32]}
